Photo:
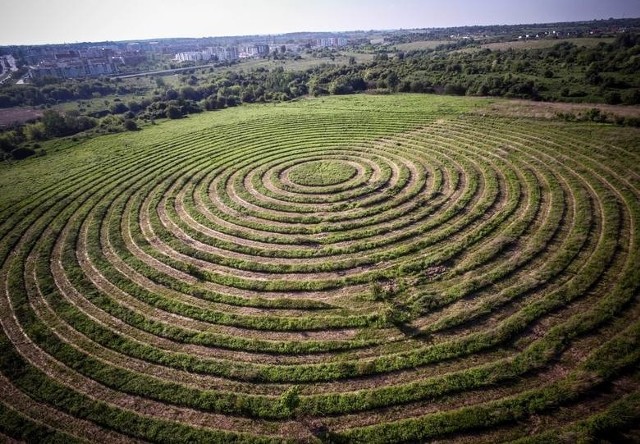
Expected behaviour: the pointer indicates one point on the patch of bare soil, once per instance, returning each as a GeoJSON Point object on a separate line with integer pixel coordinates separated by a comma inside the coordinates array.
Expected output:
{"type": "Point", "coordinates": [549, 110]}
{"type": "Point", "coordinates": [12, 116]}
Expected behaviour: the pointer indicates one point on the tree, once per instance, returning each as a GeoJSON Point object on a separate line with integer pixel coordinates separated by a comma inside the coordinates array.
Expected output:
{"type": "Point", "coordinates": [454, 89]}
{"type": "Point", "coordinates": [393, 81]}
{"type": "Point", "coordinates": [171, 94]}
{"type": "Point", "coordinates": [134, 106]}
{"type": "Point", "coordinates": [189, 93]}
{"type": "Point", "coordinates": [35, 131]}
{"type": "Point", "coordinates": [130, 125]}
{"type": "Point", "coordinates": [5, 101]}
{"type": "Point", "coordinates": [418, 86]}
{"type": "Point", "coordinates": [54, 124]}
{"type": "Point", "coordinates": [22, 153]}
{"type": "Point", "coordinates": [248, 96]}
{"type": "Point", "coordinates": [613, 98]}
{"type": "Point", "coordinates": [8, 141]}
{"type": "Point", "coordinates": [119, 108]}
{"type": "Point", "coordinates": [173, 112]}
{"type": "Point", "coordinates": [340, 86]}
{"type": "Point", "coordinates": [83, 123]}
{"type": "Point", "coordinates": [632, 98]}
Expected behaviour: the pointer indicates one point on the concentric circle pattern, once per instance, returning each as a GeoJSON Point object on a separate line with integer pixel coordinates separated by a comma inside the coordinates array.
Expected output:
{"type": "Point", "coordinates": [371, 274]}
{"type": "Point", "coordinates": [322, 173]}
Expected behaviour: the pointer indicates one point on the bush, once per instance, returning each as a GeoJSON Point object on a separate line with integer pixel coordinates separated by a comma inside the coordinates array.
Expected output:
{"type": "Point", "coordinates": [35, 131]}
{"type": "Point", "coordinates": [119, 108]}
{"type": "Point", "coordinates": [57, 125]}
{"type": "Point", "coordinates": [632, 121]}
{"type": "Point", "coordinates": [631, 98]}
{"type": "Point", "coordinates": [340, 86]}
{"type": "Point", "coordinates": [173, 112]}
{"type": "Point", "coordinates": [455, 89]}
{"type": "Point", "coordinates": [111, 124]}
{"type": "Point", "coordinates": [568, 116]}
{"type": "Point", "coordinates": [595, 115]}
{"type": "Point", "coordinates": [134, 106]}
{"type": "Point", "coordinates": [130, 125]}
{"type": "Point", "coordinates": [613, 98]}
{"type": "Point", "coordinates": [22, 153]}
{"type": "Point", "coordinates": [84, 123]}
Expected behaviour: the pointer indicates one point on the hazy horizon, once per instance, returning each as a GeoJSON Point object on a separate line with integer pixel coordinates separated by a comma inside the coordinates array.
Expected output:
{"type": "Point", "coordinates": [70, 21]}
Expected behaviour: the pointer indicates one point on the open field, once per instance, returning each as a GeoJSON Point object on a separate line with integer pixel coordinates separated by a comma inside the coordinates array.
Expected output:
{"type": "Point", "coordinates": [549, 110]}
{"type": "Point", "coordinates": [400, 268]}
{"type": "Point", "coordinates": [425, 44]}
{"type": "Point", "coordinates": [12, 116]}
{"type": "Point", "coordinates": [545, 43]}
{"type": "Point", "coordinates": [502, 46]}
{"type": "Point", "coordinates": [307, 61]}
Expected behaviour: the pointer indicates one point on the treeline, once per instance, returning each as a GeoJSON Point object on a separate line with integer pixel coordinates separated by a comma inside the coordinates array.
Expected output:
{"type": "Point", "coordinates": [50, 91]}
{"type": "Point", "coordinates": [21, 141]}
{"type": "Point", "coordinates": [574, 29]}
{"type": "Point", "coordinates": [51, 125]}
{"type": "Point", "coordinates": [565, 72]}
{"type": "Point", "coordinates": [221, 91]}
{"type": "Point", "coordinates": [605, 73]}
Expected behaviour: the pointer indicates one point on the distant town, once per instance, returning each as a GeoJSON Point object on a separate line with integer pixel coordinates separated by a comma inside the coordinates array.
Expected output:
{"type": "Point", "coordinates": [80, 60]}
{"type": "Point", "coordinates": [111, 58]}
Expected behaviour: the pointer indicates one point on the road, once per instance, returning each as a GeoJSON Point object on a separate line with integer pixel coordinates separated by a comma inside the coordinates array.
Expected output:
{"type": "Point", "coordinates": [164, 71]}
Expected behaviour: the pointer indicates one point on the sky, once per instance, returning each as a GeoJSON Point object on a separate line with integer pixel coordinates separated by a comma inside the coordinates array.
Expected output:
{"type": "Point", "coordinates": [70, 21]}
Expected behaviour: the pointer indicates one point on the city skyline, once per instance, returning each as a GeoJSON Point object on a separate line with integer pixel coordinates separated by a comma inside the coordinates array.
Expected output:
{"type": "Point", "coordinates": [71, 21]}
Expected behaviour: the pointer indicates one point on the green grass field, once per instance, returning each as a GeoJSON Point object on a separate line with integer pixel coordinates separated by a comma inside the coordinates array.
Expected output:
{"type": "Point", "coordinates": [545, 43]}
{"type": "Point", "coordinates": [397, 268]}
{"type": "Point", "coordinates": [322, 173]}
{"type": "Point", "coordinates": [502, 46]}
{"type": "Point", "coordinates": [420, 45]}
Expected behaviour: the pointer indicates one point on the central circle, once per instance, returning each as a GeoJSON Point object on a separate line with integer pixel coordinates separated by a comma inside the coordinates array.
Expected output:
{"type": "Point", "coordinates": [320, 173]}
